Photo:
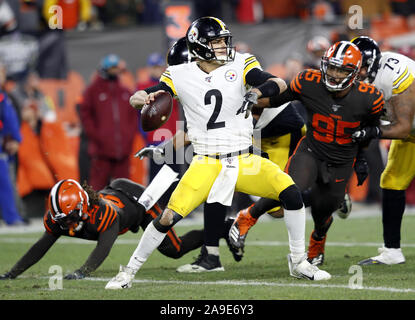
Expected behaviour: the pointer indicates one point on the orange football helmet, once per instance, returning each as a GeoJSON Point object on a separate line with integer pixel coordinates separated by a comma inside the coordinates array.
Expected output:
{"type": "Point", "coordinates": [68, 201]}
{"type": "Point", "coordinates": [343, 58]}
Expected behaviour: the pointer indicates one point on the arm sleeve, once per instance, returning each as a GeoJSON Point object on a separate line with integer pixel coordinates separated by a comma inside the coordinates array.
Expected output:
{"type": "Point", "coordinates": [34, 254]}
{"type": "Point", "coordinates": [105, 242]}
{"type": "Point", "coordinates": [279, 100]}
{"type": "Point", "coordinates": [160, 86]}
{"type": "Point", "coordinates": [256, 76]}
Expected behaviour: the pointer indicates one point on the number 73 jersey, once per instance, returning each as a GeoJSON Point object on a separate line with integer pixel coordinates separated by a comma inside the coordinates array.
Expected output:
{"type": "Point", "coordinates": [212, 103]}
{"type": "Point", "coordinates": [331, 121]}
{"type": "Point", "coordinates": [395, 74]}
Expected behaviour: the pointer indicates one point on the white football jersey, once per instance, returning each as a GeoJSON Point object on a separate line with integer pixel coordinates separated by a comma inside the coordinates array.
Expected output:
{"type": "Point", "coordinates": [211, 102]}
{"type": "Point", "coordinates": [396, 73]}
{"type": "Point", "coordinates": [268, 114]}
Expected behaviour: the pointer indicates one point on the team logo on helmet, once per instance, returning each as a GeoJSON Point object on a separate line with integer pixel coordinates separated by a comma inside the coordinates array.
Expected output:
{"type": "Point", "coordinates": [231, 75]}
{"type": "Point", "coordinates": [193, 35]}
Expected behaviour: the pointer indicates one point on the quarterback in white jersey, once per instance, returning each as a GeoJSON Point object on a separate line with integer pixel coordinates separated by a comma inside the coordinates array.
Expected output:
{"type": "Point", "coordinates": [214, 91]}
{"type": "Point", "coordinates": [393, 74]}
{"type": "Point", "coordinates": [211, 103]}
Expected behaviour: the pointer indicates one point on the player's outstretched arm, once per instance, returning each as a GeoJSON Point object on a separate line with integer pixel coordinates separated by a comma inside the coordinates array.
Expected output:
{"type": "Point", "coordinates": [105, 242]}
{"type": "Point", "coordinates": [32, 256]}
{"type": "Point", "coordinates": [179, 140]}
{"type": "Point", "coordinates": [264, 85]}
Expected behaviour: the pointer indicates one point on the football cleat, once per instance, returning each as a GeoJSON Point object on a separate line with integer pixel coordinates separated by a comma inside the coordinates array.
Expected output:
{"type": "Point", "coordinates": [315, 254]}
{"type": "Point", "coordinates": [239, 229]}
{"type": "Point", "coordinates": [204, 263]}
{"type": "Point", "coordinates": [123, 280]}
{"type": "Point", "coordinates": [387, 256]}
{"type": "Point", "coordinates": [345, 208]}
{"type": "Point", "coordinates": [305, 270]}
{"type": "Point", "coordinates": [236, 253]}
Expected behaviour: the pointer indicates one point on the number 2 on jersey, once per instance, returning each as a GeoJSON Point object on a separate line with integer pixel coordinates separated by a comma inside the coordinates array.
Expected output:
{"type": "Point", "coordinates": [218, 105]}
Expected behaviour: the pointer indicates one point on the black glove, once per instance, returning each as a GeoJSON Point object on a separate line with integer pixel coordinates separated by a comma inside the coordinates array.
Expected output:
{"type": "Point", "coordinates": [366, 134]}
{"type": "Point", "coordinates": [250, 99]}
{"type": "Point", "coordinates": [361, 168]}
{"type": "Point", "coordinates": [153, 152]}
{"type": "Point", "coordinates": [6, 276]}
{"type": "Point", "coordinates": [78, 274]}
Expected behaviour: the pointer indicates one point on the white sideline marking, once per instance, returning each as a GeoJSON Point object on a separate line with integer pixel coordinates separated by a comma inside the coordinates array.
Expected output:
{"type": "Point", "coordinates": [259, 283]}
{"type": "Point", "coordinates": [222, 242]}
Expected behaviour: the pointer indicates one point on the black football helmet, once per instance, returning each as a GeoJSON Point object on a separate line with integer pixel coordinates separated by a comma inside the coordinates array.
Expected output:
{"type": "Point", "coordinates": [204, 30]}
{"type": "Point", "coordinates": [370, 55]}
{"type": "Point", "coordinates": [178, 53]}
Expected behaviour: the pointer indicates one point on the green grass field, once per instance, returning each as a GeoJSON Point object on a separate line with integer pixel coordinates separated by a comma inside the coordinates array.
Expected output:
{"type": "Point", "coordinates": [261, 275]}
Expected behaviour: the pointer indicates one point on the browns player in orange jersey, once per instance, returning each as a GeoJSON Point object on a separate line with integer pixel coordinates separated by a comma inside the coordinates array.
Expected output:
{"type": "Point", "coordinates": [102, 216]}
{"type": "Point", "coordinates": [337, 105]}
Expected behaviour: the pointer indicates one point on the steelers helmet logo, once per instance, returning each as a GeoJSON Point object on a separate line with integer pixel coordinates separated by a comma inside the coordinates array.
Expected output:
{"type": "Point", "coordinates": [231, 75]}
{"type": "Point", "coordinates": [193, 34]}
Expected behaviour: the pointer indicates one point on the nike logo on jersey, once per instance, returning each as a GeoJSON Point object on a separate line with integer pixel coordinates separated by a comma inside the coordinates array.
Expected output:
{"type": "Point", "coordinates": [336, 107]}
{"type": "Point", "coordinates": [339, 180]}
{"type": "Point", "coordinates": [208, 79]}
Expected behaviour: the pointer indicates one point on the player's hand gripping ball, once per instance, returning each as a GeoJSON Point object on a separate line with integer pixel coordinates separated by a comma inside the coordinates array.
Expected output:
{"type": "Point", "coordinates": [157, 112]}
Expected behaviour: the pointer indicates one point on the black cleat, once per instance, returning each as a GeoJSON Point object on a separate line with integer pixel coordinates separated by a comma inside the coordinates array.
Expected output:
{"type": "Point", "coordinates": [204, 263]}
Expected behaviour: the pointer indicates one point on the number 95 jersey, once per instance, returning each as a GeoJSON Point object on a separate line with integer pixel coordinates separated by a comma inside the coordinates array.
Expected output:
{"type": "Point", "coordinates": [332, 120]}
{"type": "Point", "coordinates": [211, 102]}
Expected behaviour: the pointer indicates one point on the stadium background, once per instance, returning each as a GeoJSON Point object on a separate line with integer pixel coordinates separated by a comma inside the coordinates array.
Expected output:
{"type": "Point", "coordinates": [276, 31]}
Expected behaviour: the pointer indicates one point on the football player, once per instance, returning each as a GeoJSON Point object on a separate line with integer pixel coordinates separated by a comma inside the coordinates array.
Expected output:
{"type": "Point", "coordinates": [215, 227]}
{"type": "Point", "coordinates": [81, 212]}
{"type": "Point", "coordinates": [393, 74]}
{"type": "Point", "coordinates": [211, 91]}
{"type": "Point", "coordinates": [337, 106]}
{"type": "Point", "coordinates": [280, 130]}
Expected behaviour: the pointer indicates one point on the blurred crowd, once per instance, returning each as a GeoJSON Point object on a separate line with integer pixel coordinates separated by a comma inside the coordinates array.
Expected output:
{"type": "Point", "coordinates": [34, 15]}
{"type": "Point", "coordinates": [55, 125]}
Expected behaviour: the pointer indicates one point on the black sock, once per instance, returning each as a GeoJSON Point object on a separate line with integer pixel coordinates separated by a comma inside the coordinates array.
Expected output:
{"type": "Point", "coordinates": [321, 230]}
{"type": "Point", "coordinates": [262, 206]}
{"type": "Point", "coordinates": [191, 240]}
{"type": "Point", "coordinates": [214, 215]}
{"type": "Point", "coordinates": [393, 207]}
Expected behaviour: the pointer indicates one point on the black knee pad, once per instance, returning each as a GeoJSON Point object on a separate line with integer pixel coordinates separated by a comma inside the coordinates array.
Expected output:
{"type": "Point", "coordinates": [161, 228]}
{"type": "Point", "coordinates": [291, 198]}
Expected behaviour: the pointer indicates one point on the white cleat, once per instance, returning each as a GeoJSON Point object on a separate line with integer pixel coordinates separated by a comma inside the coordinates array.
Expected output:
{"type": "Point", "coordinates": [386, 256]}
{"type": "Point", "coordinates": [305, 270]}
{"type": "Point", "coordinates": [123, 280]}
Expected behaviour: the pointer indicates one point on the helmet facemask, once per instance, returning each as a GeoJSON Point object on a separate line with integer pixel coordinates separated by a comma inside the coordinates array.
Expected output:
{"type": "Point", "coordinates": [340, 66]}
{"type": "Point", "coordinates": [207, 51]}
{"type": "Point", "coordinates": [229, 51]}
{"type": "Point", "coordinates": [68, 205]}
{"type": "Point", "coordinates": [72, 220]}
{"type": "Point", "coordinates": [372, 65]}
{"type": "Point", "coordinates": [337, 83]}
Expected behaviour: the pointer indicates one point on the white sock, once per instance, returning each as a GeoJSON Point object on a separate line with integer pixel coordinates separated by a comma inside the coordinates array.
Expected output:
{"type": "Point", "coordinates": [295, 223]}
{"type": "Point", "coordinates": [213, 250]}
{"type": "Point", "coordinates": [150, 240]}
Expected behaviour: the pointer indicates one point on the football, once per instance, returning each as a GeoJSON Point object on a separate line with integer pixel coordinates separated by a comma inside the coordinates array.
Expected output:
{"type": "Point", "coordinates": [156, 113]}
